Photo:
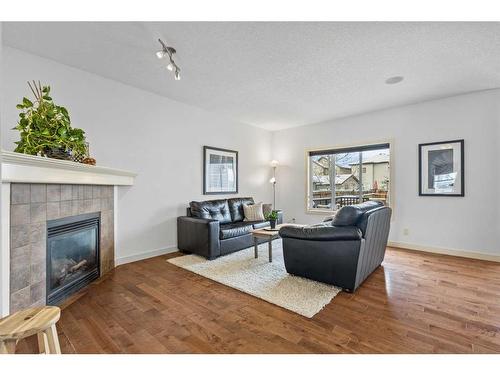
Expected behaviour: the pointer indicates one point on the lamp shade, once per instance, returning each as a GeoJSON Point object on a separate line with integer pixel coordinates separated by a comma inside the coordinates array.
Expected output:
{"type": "Point", "coordinates": [274, 163]}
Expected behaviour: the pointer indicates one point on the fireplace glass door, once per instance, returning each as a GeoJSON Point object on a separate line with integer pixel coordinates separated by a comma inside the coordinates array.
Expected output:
{"type": "Point", "coordinates": [72, 255]}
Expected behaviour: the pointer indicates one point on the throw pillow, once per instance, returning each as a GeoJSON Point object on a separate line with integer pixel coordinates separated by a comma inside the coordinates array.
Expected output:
{"type": "Point", "coordinates": [253, 212]}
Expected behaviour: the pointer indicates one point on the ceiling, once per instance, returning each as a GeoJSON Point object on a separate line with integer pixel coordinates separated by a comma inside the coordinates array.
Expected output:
{"type": "Point", "coordinates": [277, 75]}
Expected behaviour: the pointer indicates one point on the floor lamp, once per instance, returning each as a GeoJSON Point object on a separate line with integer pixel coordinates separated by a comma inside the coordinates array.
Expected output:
{"type": "Point", "coordinates": [274, 164]}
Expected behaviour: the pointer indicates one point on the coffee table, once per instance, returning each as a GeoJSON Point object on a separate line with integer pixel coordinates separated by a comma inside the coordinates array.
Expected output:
{"type": "Point", "coordinates": [269, 235]}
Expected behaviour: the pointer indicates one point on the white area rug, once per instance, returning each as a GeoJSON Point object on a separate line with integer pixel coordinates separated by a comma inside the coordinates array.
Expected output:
{"type": "Point", "coordinates": [259, 278]}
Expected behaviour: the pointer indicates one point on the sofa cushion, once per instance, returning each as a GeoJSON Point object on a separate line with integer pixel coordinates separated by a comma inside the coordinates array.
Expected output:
{"type": "Point", "coordinates": [350, 215]}
{"type": "Point", "coordinates": [259, 224]}
{"type": "Point", "coordinates": [236, 207]}
{"type": "Point", "coordinates": [215, 209]}
{"type": "Point", "coordinates": [234, 230]}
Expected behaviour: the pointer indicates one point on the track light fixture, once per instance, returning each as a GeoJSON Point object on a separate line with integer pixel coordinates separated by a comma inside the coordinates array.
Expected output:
{"type": "Point", "coordinates": [169, 52]}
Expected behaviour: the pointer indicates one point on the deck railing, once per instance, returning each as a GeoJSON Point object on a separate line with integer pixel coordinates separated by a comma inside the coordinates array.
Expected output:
{"type": "Point", "coordinates": [323, 199]}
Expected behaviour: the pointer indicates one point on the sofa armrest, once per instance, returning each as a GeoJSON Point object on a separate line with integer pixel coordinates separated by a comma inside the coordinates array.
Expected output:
{"type": "Point", "coordinates": [321, 232]}
{"type": "Point", "coordinates": [198, 236]}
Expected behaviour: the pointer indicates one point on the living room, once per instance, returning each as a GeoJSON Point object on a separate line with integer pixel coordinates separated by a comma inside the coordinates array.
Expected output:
{"type": "Point", "coordinates": [249, 187]}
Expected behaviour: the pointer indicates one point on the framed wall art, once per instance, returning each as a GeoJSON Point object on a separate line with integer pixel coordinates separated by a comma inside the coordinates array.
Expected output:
{"type": "Point", "coordinates": [441, 169]}
{"type": "Point", "coordinates": [220, 171]}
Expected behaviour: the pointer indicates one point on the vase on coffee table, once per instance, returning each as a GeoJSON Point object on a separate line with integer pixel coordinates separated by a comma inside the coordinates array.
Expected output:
{"type": "Point", "coordinates": [273, 224]}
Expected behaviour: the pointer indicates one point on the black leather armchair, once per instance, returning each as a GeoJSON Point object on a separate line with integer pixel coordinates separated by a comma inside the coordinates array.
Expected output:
{"type": "Point", "coordinates": [217, 227]}
{"type": "Point", "coordinates": [343, 251]}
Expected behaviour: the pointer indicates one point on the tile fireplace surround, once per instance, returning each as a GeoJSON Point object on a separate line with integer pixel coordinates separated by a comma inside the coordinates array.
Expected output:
{"type": "Point", "coordinates": [31, 206]}
{"type": "Point", "coordinates": [35, 190]}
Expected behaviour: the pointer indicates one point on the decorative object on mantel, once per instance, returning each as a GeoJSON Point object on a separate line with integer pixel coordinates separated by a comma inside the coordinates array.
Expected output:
{"type": "Point", "coordinates": [87, 159]}
{"type": "Point", "coordinates": [441, 169]}
{"type": "Point", "coordinates": [80, 157]}
{"type": "Point", "coordinates": [45, 128]}
{"type": "Point", "coordinates": [58, 153]}
{"type": "Point", "coordinates": [220, 171]}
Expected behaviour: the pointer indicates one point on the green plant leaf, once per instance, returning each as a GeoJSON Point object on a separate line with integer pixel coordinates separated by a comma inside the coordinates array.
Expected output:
{"type": "Point", "coordinates": [45, 125]}
{"type": "Point", "coordinates": [27, 103]}
{"type": "Point", "coordinates": [64, 111]}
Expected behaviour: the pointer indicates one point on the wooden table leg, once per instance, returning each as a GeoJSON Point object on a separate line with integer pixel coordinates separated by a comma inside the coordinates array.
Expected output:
{"type": "Point", "coordinates": [53, 340]}
{"type": "Point", "coordinates": [255, 247]}
{"type": "Point", "coordinates": [8, 347]}
{"type": "Point", "coordinates": [43, 344]}
{"type": "Point", "coordinates": [271, 251]}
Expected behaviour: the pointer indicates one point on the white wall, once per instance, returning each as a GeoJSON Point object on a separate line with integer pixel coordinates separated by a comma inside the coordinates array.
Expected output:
{"type": "Point", "coordinates": [136, 130]}
{"type": "Point", "coordinates": [469, 224]}
{"type": "Point", "coordinates": [162, 140]}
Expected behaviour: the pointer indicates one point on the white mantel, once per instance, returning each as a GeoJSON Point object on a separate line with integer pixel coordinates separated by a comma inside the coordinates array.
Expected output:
{"type": "Point", "coordinates": [19, 168]}
{"type": "Point", "coordinates": [35, 169]}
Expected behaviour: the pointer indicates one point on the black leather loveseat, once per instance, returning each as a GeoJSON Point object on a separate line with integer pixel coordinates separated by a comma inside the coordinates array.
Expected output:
{"type": "Point", "coordinates": [216, 227]}
{"type": "Point", "coordinates": [342, 252]}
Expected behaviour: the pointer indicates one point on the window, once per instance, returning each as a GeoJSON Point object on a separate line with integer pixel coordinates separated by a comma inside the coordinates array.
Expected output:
{"type": "Point", "coordinates": [358, 174]}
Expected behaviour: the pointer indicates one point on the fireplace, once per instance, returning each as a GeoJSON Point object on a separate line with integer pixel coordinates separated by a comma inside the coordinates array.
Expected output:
{"type": "Point", "coordinates": [72, 255]}
{"type": "Point", "coordinates": [33, 208]}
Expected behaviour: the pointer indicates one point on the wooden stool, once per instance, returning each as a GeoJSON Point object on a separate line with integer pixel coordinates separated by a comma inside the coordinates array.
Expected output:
{"type": "Point", "coordinates": [40, 321]}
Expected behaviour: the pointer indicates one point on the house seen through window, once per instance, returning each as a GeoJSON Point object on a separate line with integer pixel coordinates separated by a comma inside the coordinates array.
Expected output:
{"type": "Point", "coordinates": [358, 174]}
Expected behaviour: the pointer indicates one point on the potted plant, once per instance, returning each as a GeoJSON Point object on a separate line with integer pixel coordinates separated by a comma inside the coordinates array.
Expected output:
{"type": "Point", "coordinates": [272, 217]}
{"type": "Point", "coordinates": [45, 128]}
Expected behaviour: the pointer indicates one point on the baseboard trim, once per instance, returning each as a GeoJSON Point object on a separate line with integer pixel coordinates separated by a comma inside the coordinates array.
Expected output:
{"type": "Point", "coordinates": [443, 251]}
{"type": "Point", "coordinates": [145, 255]}
{"type": "Point", "coordinates": [401, 245]}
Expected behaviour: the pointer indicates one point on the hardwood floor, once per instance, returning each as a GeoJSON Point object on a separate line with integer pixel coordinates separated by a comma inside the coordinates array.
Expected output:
{"type": "Point", "coordinates": [414, 303]}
